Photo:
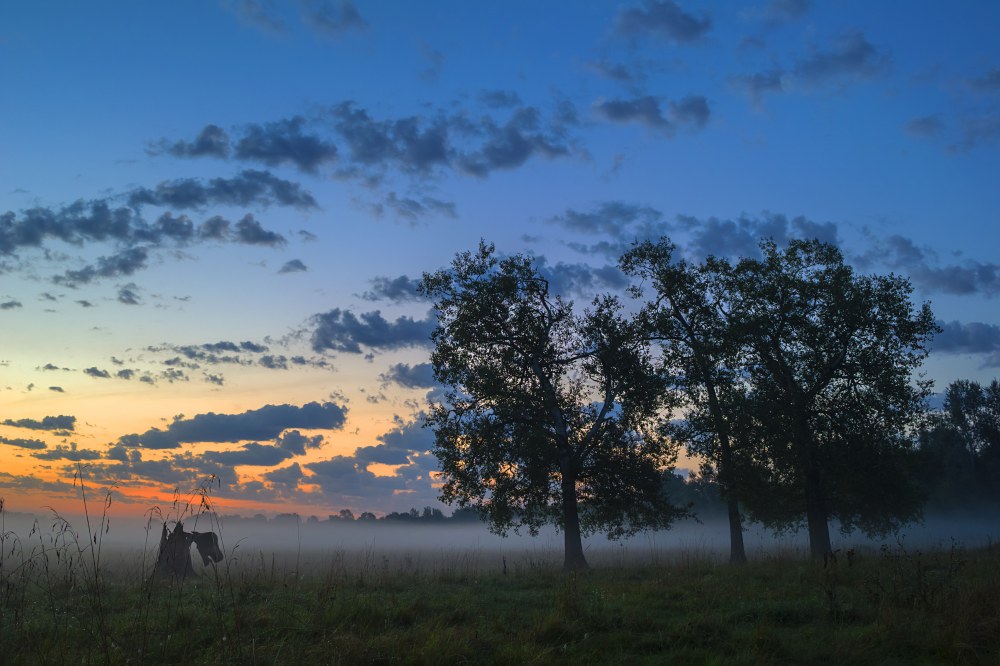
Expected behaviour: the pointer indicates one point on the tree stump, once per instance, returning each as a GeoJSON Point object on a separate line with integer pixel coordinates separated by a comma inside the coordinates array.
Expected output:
{"type": "Point", "coordinates": [173, 561]}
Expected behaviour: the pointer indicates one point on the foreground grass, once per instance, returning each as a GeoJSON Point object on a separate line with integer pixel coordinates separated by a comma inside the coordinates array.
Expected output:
{"type": "Point", "coordinates": [890, 607]}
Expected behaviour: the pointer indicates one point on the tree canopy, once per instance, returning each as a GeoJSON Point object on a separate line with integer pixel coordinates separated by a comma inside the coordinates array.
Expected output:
{"type": "Point", "coordinates": [549, 415]}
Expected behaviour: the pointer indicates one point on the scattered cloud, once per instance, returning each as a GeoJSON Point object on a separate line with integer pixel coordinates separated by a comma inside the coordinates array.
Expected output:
{"type": "Point", "coordinates": [61, 422]}
{"type": "Point", "coordinates": [293, 266]}
{"type": "Point", "coordinates": [267, 422]}
{"type": "Point", "coordinates": [664, 19]}
{"type": "Point", "coordinates": [401, 289]}
{"type": "Point", "coordinates": [70, 453]}
{"type": "Point", "coordinates": [692, 112]}
{"type": "Point", "coordinates": [921, 264]}
{"type": "Point", "coordinates": [418, 376]}
{"type": "Point", "coordinates": [925, 125]}
{"type": "Point", "coordinates": [852, 56]}
{"type": "Point", "coordinates": [283, 142]}
{"type": "Point", "coordinates": [22, 443]}
{"type": "Point", "coordinates": [249, 187]}
{"type": "Point", "coordinates": [343, 331]}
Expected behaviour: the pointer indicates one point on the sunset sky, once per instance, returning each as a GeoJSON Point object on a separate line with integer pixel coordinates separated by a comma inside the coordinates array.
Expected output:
{"type": "Point", "coordinates": [213, 214]}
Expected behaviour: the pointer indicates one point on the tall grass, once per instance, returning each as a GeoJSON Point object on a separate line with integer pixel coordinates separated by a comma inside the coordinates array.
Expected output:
{"type": "Point", "coordinates": [66, 598]}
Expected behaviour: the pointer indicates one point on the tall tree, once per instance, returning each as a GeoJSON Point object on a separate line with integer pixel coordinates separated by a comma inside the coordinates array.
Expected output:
{"type": "Point", "coordinates": [700, 353]}
{"type": "Point", "coordinates": [832, 356]}
{"type": "Point", "coordinates": [549, 416]}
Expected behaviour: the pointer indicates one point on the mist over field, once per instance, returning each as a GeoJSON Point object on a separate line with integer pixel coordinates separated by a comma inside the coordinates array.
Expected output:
{"type": "Point", "coordinates": [401, 547]}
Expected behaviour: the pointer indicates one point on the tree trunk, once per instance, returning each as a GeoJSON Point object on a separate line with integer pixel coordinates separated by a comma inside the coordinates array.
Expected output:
{"type": "Point", "coordinates": [574, 559]}
{"type": "Point", "coordinates": [816, 515]}
{"type": "Point", "coordinates": [737, 552]}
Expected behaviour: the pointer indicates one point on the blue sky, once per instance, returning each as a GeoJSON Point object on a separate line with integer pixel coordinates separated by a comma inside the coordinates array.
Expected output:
{"type": "Point", "coordinates": [212, 214]}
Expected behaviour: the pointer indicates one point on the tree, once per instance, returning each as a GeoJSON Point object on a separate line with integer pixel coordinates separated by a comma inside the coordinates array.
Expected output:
{"type": "Point", "coordinates": [548, 416]}
{"type": "Point", "coordinates": [831, 357]}
{"type": "Point", "coordinates": [701, 355]}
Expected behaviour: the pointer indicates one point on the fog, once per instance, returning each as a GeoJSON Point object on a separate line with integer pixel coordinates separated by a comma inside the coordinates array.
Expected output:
{"type": "Point", "coordinates": [290, 549]}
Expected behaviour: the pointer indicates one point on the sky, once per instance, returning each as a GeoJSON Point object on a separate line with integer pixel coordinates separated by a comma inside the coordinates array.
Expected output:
{"type": "Point", "coordinates": [213, 215]}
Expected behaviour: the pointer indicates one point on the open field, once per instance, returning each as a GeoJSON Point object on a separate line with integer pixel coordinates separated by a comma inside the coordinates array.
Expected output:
{"type": "Point", "coordinates": [64, 601]}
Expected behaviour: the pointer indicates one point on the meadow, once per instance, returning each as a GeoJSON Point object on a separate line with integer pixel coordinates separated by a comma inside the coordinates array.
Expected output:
{"type": "Point", "coordinates": [69, 596]}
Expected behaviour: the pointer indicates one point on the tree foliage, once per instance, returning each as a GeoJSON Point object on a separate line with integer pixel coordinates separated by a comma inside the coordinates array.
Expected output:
{"type": "Point", "coordinates": [549, 416]}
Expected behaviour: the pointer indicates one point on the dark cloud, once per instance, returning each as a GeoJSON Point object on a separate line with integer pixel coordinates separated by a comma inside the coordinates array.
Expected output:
{"type": "Point", "coordinates": [500, 99]}
{"type": "Point", "coordinates": [417, 376]}
{"type": "Point", "coordinates": [972, 338]}
{"type": "Point", "coordinates": [616, 71]}
{"type": "Point", "coordinates": [662, 18]}
{"type": "Point", "coordinates": [978, 130]}
{"type": "Point", "coordinates": [343, 331]}
{"type": "Point", "coordinates": [900, 253]}
{"type": "Point", "coordinates": [332, 17]}
{"type": "Point", "coordinates": [250, 232]}
{"type": "Point", "coordinates": [71, 453]}
{"type": "Point", "coordinates": [691, 111]}
{"type": "Point", "coordinates": [125, 262]}
{"type": "Point", "coordinates": [296, 443]}
{"type": "Point", "coordinates": [400, 290]}
{"type": "Point", "coordinates": [252, 453]}
{"type": "Point", "coordinates": [413, 209]}
{"type": "Point", "coordinates": [780, 11]}
{"type": "Point", "coordinates": [282, 142]}
{"type": "Point", "coordinates": [614, 219]}
{"type": "Point", "coordinates": [851, 57]}
{"type": "Point", "coordinates": [212, 141]}
{"type": "Point", "coordinates": [97, 372]}
{"type": "Point", "coordinates": [22, 443]}
{"type": "Point", "coordinates": [740, 237]}
{"type": "Point", "coordinates": [293, 266]}
{"type": "Point", "coordinates": [79, 222]}
{"type": "Point", "coordinates": [989, 82]}
{"type": "Point", "coordinates": [259, 13]}
{"type": "Point", "coordinates": [285, 477]}
{"type": "Point", "coordinates": [129, 294]}
{"type": "Point", "coordinates": [11, 304]}
{"type": "Point", "coordinates": [925, 125]}
{"type": "Point", "coordinates": [510, 145]}
{"type": "Point", "coordinates": [581, 279]}
{"type": "Point", "coordinates": [268, 422]}
{"type": "Point", "coordinates": [756, 85]}
{"type": "Point", "coordinates": [249, 187]}
{"type": "Point", "coordinates": [61, 422]}
{"type": "Point", "coordinates": [402, 142]}
{"type": "Point", "coordinates": [57, 389]}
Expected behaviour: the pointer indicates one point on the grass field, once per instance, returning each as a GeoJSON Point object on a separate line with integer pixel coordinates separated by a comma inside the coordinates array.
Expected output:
{"type": "Point", "coordinates": [61, 603]}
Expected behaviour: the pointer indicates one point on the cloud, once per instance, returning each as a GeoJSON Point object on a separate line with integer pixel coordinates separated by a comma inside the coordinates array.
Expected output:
{"type": "Point", "coordinates": [247, 188]}
{"type": "Point", "coordinates": [267, 422]}
{"type": "Point", "coordinates": [293, 266]}
{"type": "Point", "coordinates": [332, 18]}
{"type": "Point", "coordinates": [258, 13]}
{"type": "Point", "coordinates": [282, 142]}
{"type": "Point", "coordinates": [851, 57]}
{"type": "Point", "coordinates": [417, 376]}
{"type": "Point", "coordinates": [971, 338]}
{"type": "Point", "coordinates": [900, 253]}
{"type": "Point", "coordinates": [781, 11]}
{"type": "Point", "coordinates": [22, 443]}
{"type": "Point", "coordinates": [212, 141]}
{"type": "Point", "coordinates": [250, 232]}
{"type": "Point", "coordinates": [296, 443]}
{"type": "Point", "coordinates": [755, 85]}
{"type": "Point", "coordinates": [125, 262]}
{"type": "Point", "coordinates": [97, 373]}
{"type": "Point", "coordinates": [402, 142]}
{"type": "Point", "coordinates": [343, 331]}
{"type": "Point", "coordinates": [412, 209]}
{"type": "Point", "coordinates": [71, 453]}
{"type": "Point", "coordinates": [11, 304]}
{"type": "Point", "coordinates": [129, 294]}
{"type": "Point", "coordinates": [610, 218]}
{"type": "Point", "coordinates": [61, 422]}
{"type": "Point", "coordinates": [978, 130]}
{"type": "Point", "coordinates": [691, 111]}
{"type": "Point", "coordinates": [925, 125]}
{"type": "Point", "coordinates": [988, 83]}
{"type": "Point", "coordinates": [510, 145]}
{"type": "Point", "coordinates": [740, 237]}
{"type": "Point", "coordinates": [401, 289]}
{"type": "Point", "coordinates": [398, 445]}
{"type": "Point", "coordinates": [662, 18]}
{"type": "Point", "coordinates": [252, 453]}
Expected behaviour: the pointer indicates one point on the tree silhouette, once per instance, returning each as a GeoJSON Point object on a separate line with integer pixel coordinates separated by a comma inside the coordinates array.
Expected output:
{"type": "Point", "coordinates": [548, 416]}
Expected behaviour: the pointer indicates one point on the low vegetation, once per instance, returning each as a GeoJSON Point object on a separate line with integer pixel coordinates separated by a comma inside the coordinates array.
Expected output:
{"type": "Point", "coordinates": [61, 603]}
